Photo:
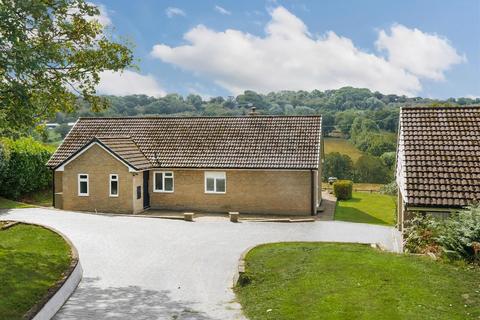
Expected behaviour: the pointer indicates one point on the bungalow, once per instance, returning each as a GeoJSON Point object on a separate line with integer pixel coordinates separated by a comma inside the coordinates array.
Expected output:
{"type": "Point", "coordinates": [250, 164]}
{"type": "Point", "coordinates": [438, 160]}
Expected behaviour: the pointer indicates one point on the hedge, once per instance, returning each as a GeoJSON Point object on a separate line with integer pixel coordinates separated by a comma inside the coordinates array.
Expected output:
{"type": "Point", "coordinates": [342, 189]}
{"type": "Point", "coordinates": [22, 167]}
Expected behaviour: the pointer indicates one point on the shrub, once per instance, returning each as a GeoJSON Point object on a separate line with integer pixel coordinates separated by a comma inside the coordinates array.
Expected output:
{"type": "Point", "coordinates": [24, 167]}
{"type": "Point", "coordinates": [390, 188]}
{"type": "Point", "coordinates": [343, 189]}
{"type": "Point", "coordinates": [460, 235]}
{"type": "Point", "coordinates": [420, 234]}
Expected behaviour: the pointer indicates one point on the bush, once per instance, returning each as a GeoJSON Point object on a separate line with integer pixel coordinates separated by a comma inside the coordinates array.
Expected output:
{"type": "Point", "coordinates": [23, 162]}
{"type": "Point", "coordinates": [420, 234]}
{"type": "Point", "coordinates": [460, 235]}
{"type": "Point", "coordinates": [456, 237]}
{"type": "Point", "coordinates": [391, 189]}
{"type": "Point", "coordinates": [343, 189]}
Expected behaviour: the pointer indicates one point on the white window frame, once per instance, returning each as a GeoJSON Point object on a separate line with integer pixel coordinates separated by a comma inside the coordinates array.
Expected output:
{"type": "Point", "coordinates": [215, 175]}
{"type": "Point", "coordinates": [110, 184]}
{"type": "Point", "coordinates": [163, 182]}
{"type": "Point", "coordinates": [83, 180]}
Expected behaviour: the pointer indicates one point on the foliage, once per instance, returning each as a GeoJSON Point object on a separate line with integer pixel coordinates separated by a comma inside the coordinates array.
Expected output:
{"type": "Point", "coordinates": [389, 189]}
{"type": "Point", "coordinates": [285, 283]}
{"type": "Point", "coordinates": [459, 235]}
{"type": "Point", "coordinates": [337, 165]}
{"type": "Point", "coordinates": [371, 169]}
{"type": "Point", "coordinates": [389, 158]}
{"type": "Point", "coordinates": [367, 207]}
{"type": "Point", "coordinates": [32, 260]}
{"type": "Point", "coordinates": [51, 51]}
{"type": "Point", "coordinates": [342, 189]}
{"type": "Point", "coordinates": [456, 237]}
{"type": "Point", "coordinates": [420, 234]}
{"type": "Point", "coordinates": [25, 169]}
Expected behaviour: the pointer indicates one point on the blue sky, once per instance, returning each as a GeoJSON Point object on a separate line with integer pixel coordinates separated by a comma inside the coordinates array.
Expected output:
{"type": "Point", "coordinates": [429, 48]}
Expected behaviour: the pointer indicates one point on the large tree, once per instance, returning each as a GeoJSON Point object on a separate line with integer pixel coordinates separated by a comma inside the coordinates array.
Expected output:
{"type": "Point", "coordinates": [51, 53]}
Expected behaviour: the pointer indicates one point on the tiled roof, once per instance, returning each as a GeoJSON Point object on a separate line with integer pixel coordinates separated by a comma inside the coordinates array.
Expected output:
{"type": "Point", "coordinates": [125, 148]}
{"type": "Point", "coordinates": [275, 142]}
{"type": "Point", "coordinates": [441, 155]}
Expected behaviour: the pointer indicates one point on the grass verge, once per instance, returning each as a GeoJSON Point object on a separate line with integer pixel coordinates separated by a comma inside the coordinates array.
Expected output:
{"type": "Point", "coordinates": [32, 259]}
{"type": "Point", "coordinates": [351, 281]}
{"type": "Point", "coordinates": [367, 208]}
{"type": "Point", "coordinates": [10, 204]}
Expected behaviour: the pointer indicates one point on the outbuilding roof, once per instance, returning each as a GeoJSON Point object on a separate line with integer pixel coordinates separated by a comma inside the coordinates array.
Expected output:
{"type": "Point", "coordinates": [439, 155]}
{"type": "Point", "coordinates": [270, 142]}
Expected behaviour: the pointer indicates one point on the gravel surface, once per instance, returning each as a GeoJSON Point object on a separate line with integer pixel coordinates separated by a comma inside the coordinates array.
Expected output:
{"type": "Point", "coordinates": [149, 268]}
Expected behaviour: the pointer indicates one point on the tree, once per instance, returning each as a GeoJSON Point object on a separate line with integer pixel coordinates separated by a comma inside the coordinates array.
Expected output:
{"type": "Point", "coordinates": [50, 52]}
{"type": "Point", "coordinates": [389, 158]}
{"type": "Point", "coordinates": [371, 169]}
{"type": "Point", "coordinates": [337, 165]}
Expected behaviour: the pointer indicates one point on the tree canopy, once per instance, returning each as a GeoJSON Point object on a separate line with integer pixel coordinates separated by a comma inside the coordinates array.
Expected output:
{"type": "Point", "coordinates": [51, 53]}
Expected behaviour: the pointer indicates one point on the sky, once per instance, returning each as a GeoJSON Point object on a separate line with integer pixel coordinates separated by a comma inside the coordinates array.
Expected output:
{"type": "Point", "coordinates": [428, 48]}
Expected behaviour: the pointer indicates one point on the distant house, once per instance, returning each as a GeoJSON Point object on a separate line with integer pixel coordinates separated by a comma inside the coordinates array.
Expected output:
{"type": "Point", "coordinates": [251, 164]}
{"type": "Point", "coordinates": [438, 160]}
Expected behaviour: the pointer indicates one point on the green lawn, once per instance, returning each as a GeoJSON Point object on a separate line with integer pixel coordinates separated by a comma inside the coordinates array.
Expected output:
{"type": "Point", "coordinates": [10, 204]}
{"type": "Point", "coordinates": [342, 146]}
{"type": "Point", "coordinates": [367, 208]}
{"type": "Point", "coordinates": [41, 198]}
{"type": "Point", "coordinates": [350, 281]}
{"type": "Point", "coordinates": [32, 259]}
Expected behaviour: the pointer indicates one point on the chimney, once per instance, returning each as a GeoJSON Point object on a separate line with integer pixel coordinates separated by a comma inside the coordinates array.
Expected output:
{"type": "Point", "coordinates": [253, 112]}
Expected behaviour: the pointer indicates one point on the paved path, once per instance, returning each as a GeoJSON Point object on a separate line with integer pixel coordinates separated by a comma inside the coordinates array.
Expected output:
{"type": "Point", "coordinates": [147, 268]}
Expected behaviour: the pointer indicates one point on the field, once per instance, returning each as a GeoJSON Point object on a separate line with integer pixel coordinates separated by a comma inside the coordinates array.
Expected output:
{"type": "Point", "coordinates": [342, 146]}
{"type": "Point", "coordinates": [367, 207]}
{"type": "Point", "coordinates": [350, 281]}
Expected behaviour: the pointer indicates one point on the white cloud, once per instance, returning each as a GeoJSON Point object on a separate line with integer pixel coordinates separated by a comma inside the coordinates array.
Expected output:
{"type": "Point", "coordinates": [423, 54]}
{"type": "Point", "coordinates": [289, 57]}
{"type": "Point", "coordinates": [103, 18]}
{"type": "Point", "coordinates": [222, 10]}
{"type": "Point", "coordinates": [128, 82]}
{"type": "Point", "coordinates": [172, 12]}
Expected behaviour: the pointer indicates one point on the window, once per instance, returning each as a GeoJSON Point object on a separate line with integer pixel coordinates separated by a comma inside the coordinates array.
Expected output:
{"type": "Point", "coordinates": [139, 192]}
{"type": "Point", "coordinates": [163, 181]}
{"type": "Point", "coordinates": [114, 185]}
{"type": "Point", "coordinates": [215, 182]}
{"type": "Point", "coordinates": [83, 184]}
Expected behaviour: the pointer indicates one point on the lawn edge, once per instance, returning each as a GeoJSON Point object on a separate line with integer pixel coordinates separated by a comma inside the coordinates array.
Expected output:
{"type": "Point", "coordinates": [59, 293]}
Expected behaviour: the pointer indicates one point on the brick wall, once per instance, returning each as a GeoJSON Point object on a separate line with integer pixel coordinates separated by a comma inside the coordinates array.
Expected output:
{"type": "Point", "coordinates": [98, 164]}
{"type": "Point", "coordinates": [247, 191]}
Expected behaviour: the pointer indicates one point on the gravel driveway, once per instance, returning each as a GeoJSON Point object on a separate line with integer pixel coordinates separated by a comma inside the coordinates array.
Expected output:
{"type": "Point", "coordinates": [147, 268]}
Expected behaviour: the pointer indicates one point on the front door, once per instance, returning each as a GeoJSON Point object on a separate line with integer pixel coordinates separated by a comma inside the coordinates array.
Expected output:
{"type": "Point", "coordinates": [146, 194]}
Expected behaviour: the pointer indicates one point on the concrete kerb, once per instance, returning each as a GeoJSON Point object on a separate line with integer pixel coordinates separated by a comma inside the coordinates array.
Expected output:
{"type": "Point", "coordinates": [58, 294]}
